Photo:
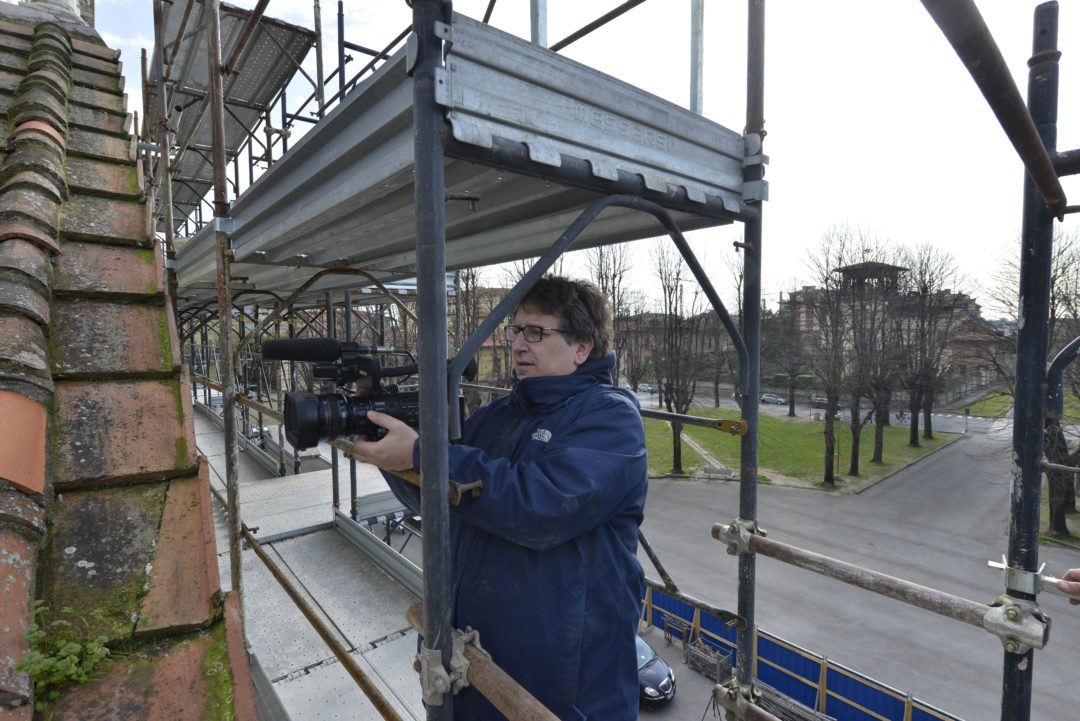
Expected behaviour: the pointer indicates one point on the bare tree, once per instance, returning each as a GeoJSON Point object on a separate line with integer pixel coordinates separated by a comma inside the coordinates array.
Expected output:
{"type": "Point", "coordinates": [788, 346]}
{"type": "Point", "coordinates": [929, 317]}
{"type": "Point", "coordinates": [723, 359]}
{"type": "Point", "coordinates": [635, 338]}
{"type": "Point", "coordinates": [675, 363]}
{"type": "Point", "coordinates": [467, 299]}
{"type": "Point", "coordinates": [869, 291]}
{"type": "Point", "coordinates": [609, 265]}
{"type": "Point", "coordinates": [828, 360]}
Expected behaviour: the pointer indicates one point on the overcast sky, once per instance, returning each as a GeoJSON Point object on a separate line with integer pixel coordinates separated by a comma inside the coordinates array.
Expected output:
{"type": "Point", "coordinates": [872, 119]}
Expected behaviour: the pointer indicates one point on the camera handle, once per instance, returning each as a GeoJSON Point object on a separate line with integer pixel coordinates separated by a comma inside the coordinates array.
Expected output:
{"type": "Point", "coordinates": [457, 490]}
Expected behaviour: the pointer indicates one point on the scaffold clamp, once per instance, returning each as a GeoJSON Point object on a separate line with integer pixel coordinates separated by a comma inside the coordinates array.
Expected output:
{"type": "Point", "coordinates": [434, 680]}
{"type": "Point", "coordinates": [735, 698]}
{"type": "Point", "coordinates": [459, 665]}
{"type": "Point", "coordinates": [1019, 624]}
{"type": "Point", "coordinates": [1030, 582]}
{"type": "Point", "coordinates": [737, 535]}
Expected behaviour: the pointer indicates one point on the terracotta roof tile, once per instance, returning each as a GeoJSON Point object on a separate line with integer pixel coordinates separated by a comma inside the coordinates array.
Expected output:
{"type": "Point", "coordinates": [108, 220]}
{"type": "Point", "coordinates": [22, 343]}
{"type": "Point", "coordinates": [10, 230]}
{"type": "Point", "coordinates": [96, 50]}
{"type": "Point", "coordinates": [37, 147]}
{"type": "Point", "coordinates": [121, 430]}
{"type": "Point", "coordinates": [21, 513]}
{"type": "Point", "coordinates": [93, 117]}
{"type": "Point", "coordinates": [37, 100]}
{"type": "Point", "coordinates": [12, 60]}
{"type": "Point", "coordinates": [239, 662]}
{"type": "Point", "coordinates": [9, 81]}
{"type": "Point", "coordinates": [96, 268]}
{"type": "Point", "coordinates": [100, 544]}
{"type": "Point", "coordinates": [166, 683]}
{"type": "Point", "coordinates": [111, 82]}
{"type": "Point", "coordinates": [184, 583]}
{"type": "Point", "coordinates": [94, 143]}
{"type": "Point", "coordinates": [83, 61]}
{"type": "Point", "coordinates": [107, 338]}
{"type": "Point", "coordinates": [41, 127]}
{"type": "Point", "coordinates": [89, 96]}
{"type": "Point", "coordinates": [17, 568]}
{"type": "Point", "coordinates": [19, 298]}
{"type": "Point", "coordinates": [44, 69]}
{"type": "Point", "coordinates": [22, 442]}
{"type": "Point", "coordinates": [15, 33]}
{"type": "Point", "coordinates": [26, 258]}
{"type": "Point", "coordinates": [32, 194]}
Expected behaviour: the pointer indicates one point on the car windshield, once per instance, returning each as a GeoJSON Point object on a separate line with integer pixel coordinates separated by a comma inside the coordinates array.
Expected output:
{"type": "Point", "coordinates": [645, 654]}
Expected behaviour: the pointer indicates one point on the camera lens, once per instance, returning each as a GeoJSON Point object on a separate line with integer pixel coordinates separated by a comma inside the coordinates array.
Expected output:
{"type": "Point", "coordinates": [311, 417]}
{"type": "Point", "coordinates": [314, 417]}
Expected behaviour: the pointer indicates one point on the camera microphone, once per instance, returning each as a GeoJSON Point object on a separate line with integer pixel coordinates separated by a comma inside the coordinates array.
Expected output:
{"type": "Point", "coordinates": [302, 349]}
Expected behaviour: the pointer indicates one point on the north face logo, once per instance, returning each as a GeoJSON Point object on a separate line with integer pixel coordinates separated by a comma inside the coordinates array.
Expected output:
{"type": "Point", "coordinates": [541, 434]}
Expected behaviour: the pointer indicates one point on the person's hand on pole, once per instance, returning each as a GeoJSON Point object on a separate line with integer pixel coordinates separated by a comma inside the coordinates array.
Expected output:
{"type": "Point", "coordinates": [1070, 584]}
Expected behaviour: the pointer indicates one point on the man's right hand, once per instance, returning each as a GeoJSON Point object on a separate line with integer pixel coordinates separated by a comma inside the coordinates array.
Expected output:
{"type": "Point", "coordinates": [393, 452]}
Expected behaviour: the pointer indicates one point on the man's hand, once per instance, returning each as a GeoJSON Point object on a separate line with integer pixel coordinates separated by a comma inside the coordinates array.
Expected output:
{"type": "Point", "coordinates": [394, 452]}
{"type": "Point", "coordinates": [1070, 583]}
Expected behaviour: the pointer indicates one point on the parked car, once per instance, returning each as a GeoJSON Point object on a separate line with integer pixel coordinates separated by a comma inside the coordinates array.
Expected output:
{"type": "Point", "coordinates": [645, 388]}
{"type": "Point", "coordinates": [823, 402]}
{"type": "Point", "coordinates": [656, 680]}
{"type": "Point", "coordinates": [772, 398]}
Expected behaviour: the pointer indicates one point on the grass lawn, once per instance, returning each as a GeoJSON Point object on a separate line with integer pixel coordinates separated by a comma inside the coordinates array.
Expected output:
{"type": "Point", "coordinates": [658, 441]}
{"type": "Point", "coordinates": [789, 449]}
{"type": "Point", "coordinates": [996, 404]}
{"type": "Point", "coordinates": [992, 406]}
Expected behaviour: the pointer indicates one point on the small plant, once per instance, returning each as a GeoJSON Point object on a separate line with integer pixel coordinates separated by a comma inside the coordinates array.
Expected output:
{"type": "Point", "coordinates": [56, 657]}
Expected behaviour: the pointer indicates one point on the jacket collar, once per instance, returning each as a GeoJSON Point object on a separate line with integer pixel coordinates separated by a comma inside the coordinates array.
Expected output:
{"type": "Point", "coordinates": [532, 393]}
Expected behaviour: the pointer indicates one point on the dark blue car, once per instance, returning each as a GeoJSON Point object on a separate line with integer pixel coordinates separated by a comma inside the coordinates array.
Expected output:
{"type": "Point", "coordinates": [656, 680]}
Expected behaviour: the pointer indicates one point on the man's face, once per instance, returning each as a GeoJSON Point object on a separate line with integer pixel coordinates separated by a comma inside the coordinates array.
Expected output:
{"type": "Point", "coordinates": [555, 355]}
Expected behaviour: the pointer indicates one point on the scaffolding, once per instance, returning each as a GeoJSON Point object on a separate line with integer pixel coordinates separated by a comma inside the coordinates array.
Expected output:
{"type": "Point", "coordinates": [424, 135]}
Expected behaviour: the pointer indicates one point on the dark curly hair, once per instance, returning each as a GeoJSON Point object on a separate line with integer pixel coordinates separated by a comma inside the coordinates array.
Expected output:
{"type": "Point", "coordinates": [583, 310]}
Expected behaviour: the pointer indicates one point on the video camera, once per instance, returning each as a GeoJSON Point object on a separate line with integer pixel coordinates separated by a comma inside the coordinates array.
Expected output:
{"type": "Point", "coordinates": [313, 417]}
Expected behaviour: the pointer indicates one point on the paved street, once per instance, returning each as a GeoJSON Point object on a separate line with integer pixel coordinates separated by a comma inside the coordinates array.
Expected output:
{"type": "Point", "coordinates": [936, 523]}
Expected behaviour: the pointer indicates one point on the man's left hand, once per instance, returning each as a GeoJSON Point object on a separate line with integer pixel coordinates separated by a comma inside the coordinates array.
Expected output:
{"type": "Point", "coordinates": [394, 452]}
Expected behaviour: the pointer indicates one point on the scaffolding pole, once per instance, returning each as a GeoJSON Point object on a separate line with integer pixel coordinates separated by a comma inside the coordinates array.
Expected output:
{"type": "Point", "coordinates": [751, 330]}
{"type": "Point", "coordinates": [430, 194]}
{"type": "Point", "coordinates": [1036, 259]}
{"type": "Point", "coordinates": [221, 211]}
{"type": "Point", "coordinates": [966, 31]}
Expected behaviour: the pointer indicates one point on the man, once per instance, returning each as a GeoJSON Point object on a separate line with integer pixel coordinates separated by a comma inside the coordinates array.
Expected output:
{"type": "Point", "coordinates": [544, 561]}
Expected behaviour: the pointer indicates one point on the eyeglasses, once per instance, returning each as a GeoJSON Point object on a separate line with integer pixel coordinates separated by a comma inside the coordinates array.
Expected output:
{"type": "Point", "coordinates": [532, 333]}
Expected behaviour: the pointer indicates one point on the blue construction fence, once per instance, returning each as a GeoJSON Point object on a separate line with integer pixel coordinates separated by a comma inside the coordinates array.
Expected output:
{"type": "Point", "coordinates": [814, 681]}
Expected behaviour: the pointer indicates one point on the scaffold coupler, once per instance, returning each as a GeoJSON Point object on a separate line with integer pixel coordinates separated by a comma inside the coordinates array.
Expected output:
{"type": "Point", "coordinates": [435, 681]}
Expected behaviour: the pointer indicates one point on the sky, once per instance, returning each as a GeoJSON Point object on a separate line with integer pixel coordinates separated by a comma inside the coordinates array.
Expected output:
{"type": "Point", "coordinates": [873, 122]}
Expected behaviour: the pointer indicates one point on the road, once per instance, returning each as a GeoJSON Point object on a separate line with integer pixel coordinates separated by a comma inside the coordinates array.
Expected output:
{"type": "Point", "coordinates": [936, 523]}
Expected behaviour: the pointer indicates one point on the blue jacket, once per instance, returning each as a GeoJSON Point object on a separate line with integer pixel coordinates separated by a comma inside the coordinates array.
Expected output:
{"type": "Point", "coordinates": [544, 561]}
